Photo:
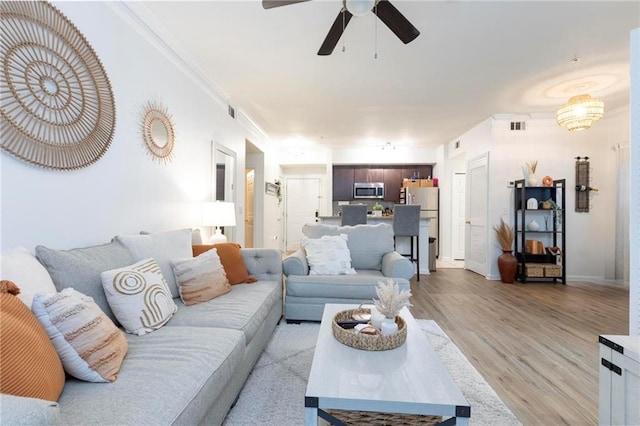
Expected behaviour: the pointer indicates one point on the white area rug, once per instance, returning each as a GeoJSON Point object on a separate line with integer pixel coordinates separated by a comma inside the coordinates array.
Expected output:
{"type": "Point", "coordinates": [274, 392]}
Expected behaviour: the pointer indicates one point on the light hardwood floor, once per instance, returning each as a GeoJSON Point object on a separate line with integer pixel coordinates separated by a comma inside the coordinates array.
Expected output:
{"type": "Point", "coordinates": [535, 344]}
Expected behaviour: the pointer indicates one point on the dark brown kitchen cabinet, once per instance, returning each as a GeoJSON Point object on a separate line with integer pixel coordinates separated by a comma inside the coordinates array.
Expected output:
{"type": "Point", "coordinates": [367, 174]}
{"type": "Point", "coordinates": [343, 183]}
{"type": "Point", "coordinates": [392, 184]}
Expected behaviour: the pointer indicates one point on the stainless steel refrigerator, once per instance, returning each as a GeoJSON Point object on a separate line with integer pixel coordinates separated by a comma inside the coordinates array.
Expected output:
{"type": "Point", "coordinates": [428, 200]}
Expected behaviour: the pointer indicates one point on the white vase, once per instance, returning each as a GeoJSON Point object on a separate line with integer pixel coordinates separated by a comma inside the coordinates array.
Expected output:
{"type": "Point", "coordinates": [376, 318]}
{"type": "Point", "coordinates": [532, 180]}
{"type": "Point", "coordinates": [388, 326]}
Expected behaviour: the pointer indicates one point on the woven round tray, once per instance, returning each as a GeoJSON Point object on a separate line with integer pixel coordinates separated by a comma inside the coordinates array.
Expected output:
{"type": "Point", "coordinates": [367, 342]}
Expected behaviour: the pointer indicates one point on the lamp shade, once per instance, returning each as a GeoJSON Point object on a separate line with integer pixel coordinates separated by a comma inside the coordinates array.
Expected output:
{"type": "Point", "coordinates": [580, 112]}
{"type": "Point", "coordinates": [218, 213]}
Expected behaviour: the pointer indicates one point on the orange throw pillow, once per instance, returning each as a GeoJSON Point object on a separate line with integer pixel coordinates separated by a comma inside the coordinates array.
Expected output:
{"type": "Point", "coordinates": [231, 260]}
{"type": "Point", "coordinates": [30, 364]}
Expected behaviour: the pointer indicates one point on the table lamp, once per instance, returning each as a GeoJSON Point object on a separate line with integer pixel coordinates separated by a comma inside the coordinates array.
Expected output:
{"type": "Point", "coordinates": [218, 213]}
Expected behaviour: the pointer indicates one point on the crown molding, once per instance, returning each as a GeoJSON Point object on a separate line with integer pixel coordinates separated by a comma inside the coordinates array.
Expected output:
{"type": "Point", "coordinates": [152, 29]}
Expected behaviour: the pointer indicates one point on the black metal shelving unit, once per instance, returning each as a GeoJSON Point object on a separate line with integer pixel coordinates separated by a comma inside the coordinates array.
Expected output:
{"type": "Point", "coordinates": [551, 231]}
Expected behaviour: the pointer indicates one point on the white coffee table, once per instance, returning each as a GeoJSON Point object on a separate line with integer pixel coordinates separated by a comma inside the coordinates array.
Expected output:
{"type": "Point", "coordinates": [410, 379]}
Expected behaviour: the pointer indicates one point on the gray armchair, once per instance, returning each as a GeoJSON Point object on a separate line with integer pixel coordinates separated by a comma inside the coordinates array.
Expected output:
{"type": "Point", "coordinates": [372, 256]}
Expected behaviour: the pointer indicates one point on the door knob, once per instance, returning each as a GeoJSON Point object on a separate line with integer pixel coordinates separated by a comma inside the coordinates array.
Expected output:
{"type": "Point", "coordinates": [468, 222]}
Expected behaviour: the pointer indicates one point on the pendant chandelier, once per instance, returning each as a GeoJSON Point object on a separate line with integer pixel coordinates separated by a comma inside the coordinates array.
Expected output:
{"type": "Point", "coordinates": [580, 112]}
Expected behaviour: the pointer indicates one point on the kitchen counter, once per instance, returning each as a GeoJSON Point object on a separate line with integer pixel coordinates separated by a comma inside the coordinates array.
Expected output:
{"type": "Point", "coordinates": [402, 244]}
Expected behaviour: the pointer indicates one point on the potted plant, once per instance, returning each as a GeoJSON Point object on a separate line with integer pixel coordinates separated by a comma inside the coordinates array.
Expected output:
{"type": "Point", "coordinates": [507, 262]}
{"type": "Point", "coordinates": [377, 209]}
{"type": "Point", "coordinates": [389, 303]}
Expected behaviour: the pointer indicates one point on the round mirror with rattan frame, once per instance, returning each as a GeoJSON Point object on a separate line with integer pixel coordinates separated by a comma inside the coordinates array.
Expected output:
{"type": "Point", "coordinates": [158, 132]}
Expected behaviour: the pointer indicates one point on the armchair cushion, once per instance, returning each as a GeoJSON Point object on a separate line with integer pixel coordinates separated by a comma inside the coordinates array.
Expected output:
{"type": "Point", "coordinates": [367, 243]}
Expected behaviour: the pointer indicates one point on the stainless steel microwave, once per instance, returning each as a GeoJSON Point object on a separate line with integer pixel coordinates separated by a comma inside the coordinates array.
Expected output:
{"type": "Point", "coordinates": [368, 190]}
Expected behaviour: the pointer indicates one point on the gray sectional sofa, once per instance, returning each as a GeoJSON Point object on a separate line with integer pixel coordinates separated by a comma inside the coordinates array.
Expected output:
{"type": "Point", "coordinates": [372, 256]}
{"type": "Point", "coordinates": [188, 372]}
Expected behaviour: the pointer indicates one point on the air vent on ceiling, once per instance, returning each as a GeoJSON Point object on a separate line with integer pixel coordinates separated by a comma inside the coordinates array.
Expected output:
{"type": "Point", "coordinates": [232, 112]}
{"type": "Point", "coordinates": [517, 125]}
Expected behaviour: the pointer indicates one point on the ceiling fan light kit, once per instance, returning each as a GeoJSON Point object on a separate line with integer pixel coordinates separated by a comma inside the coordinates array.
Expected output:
{"type": "Point", "coordinates": [580, 112]}
{"type": "Point", "coordinates": [359, 7]}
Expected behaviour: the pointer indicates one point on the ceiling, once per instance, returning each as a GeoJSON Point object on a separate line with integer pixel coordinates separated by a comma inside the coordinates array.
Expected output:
{"type": "Point", "coordinates": [473, 59]}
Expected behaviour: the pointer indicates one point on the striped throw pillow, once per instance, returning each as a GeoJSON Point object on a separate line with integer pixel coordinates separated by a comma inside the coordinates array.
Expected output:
{"type": "Point", "coordinates": [200, 278]}
{"type": "Point", "coordinates": [90, 346]}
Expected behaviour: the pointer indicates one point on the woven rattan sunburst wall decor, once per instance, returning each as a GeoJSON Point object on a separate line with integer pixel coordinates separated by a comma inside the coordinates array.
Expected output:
{"type": "Point", "coordinates": [56, 104]}
{"type": "Point", "coordinates": [158, 132]}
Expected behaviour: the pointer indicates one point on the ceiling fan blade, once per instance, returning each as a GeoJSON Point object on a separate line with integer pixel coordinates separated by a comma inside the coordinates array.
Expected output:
{"type": "Point", "coordinates": [335, 32]}
{"type": "Point", "coordinates": [396, 21]}
{"type": "Point", "coordinates": [269, 4]}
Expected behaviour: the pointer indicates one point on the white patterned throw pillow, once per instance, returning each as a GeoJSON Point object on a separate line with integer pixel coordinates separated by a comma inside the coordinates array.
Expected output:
{"type": "Point", "coordinates": [139, 296]}
{"type": "Point", "coordinates": [328, 255]}
{"type": "Point", "coordinates": [88, 343]}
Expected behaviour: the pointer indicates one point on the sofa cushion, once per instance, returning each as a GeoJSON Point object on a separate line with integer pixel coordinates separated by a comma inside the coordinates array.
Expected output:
{"type": "Point", "coordinates": [232, 261]}
{"type": "Point", "coordinates": [80, 268]}
{"type": "Point", "coordinates": [21, 267]}
{"type": "Point", "coordinates": [367, 243]}
{"type": "Point", "coordinates": [29, 364]}
{"type": "Point", "coordinates": [90, 346]}
{"type": "Point", "coordinates": [360, 286]}
{"type": "Point", "coordinates": [170, 375]}
{"type": "Point", "coordinates": [328, 255]}
{"type": "Point", "coordinates": [244, 308]}
{"type": "Point", "coordinates": [22, 411]}
{"type": "Point", "coordinates": [200, 278]}
{"type": "Point", "coordinates": [139, 296]}
{"type": "Point", "coordinates": [163, 247]}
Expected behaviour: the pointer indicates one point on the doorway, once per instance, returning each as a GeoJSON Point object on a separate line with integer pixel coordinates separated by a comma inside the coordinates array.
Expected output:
{"type": "Point", "coordinates": [302, 206]}
{"type": "Point", "coordinates": [249, 207]}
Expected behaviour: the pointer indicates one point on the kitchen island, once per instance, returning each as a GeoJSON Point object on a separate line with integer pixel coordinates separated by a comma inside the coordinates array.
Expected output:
{"type": "Point", "coordinates": [402, 245]}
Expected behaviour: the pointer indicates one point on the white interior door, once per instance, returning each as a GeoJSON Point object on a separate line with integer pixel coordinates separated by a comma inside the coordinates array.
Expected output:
{"type": "Point", "coordinates": [302, 204]}
{"type": "Point", "coordinates": [476, 207]}
{"type": "Point", "coordinates": [458, 216]}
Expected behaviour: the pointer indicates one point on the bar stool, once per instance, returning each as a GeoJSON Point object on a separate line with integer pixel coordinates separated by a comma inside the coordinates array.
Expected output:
{"type": "Point", "coordinates": [406, 223]}
{"type": "Point", "coordinates": [354, 214]}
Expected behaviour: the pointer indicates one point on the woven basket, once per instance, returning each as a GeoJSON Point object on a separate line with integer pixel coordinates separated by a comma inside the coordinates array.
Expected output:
{"type": "Point", "coordinates": [366, 418]}
{"type": "Point", "coordinates": [367, 342]}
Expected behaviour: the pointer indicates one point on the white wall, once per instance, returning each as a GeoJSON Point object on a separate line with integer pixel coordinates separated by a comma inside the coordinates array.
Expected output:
{"type": "Point", "coordinates": [555, 149]}
{"type": "Point", "coordinates": [125, 191]}
{"type": "Point", "coordinates": [634, 220]}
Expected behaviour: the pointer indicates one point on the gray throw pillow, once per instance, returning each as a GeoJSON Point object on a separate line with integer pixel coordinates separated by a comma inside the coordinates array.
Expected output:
{"type": "Point", "coordinates": [163, 247]}
{"type": "Point", "coordinates": [80, 269]}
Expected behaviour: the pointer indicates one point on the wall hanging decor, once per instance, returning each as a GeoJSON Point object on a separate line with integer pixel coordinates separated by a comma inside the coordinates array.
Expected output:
{"type": "Point", "coordinates": [56, 105]}
{"type": "Point", "coordinates": [158, 132]}
{"type": "Point", "coordinates": [582, 185]}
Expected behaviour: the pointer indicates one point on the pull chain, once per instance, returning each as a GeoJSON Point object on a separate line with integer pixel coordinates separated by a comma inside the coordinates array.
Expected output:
{"type": "Point", "coordinates": [375, 30]}
{"type": "Point", "coordinates": [343, 28]}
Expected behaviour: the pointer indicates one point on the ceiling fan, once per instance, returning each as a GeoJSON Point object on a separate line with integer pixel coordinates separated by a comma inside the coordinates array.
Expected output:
{"type": "Point", "coordinates": [383, 9]}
